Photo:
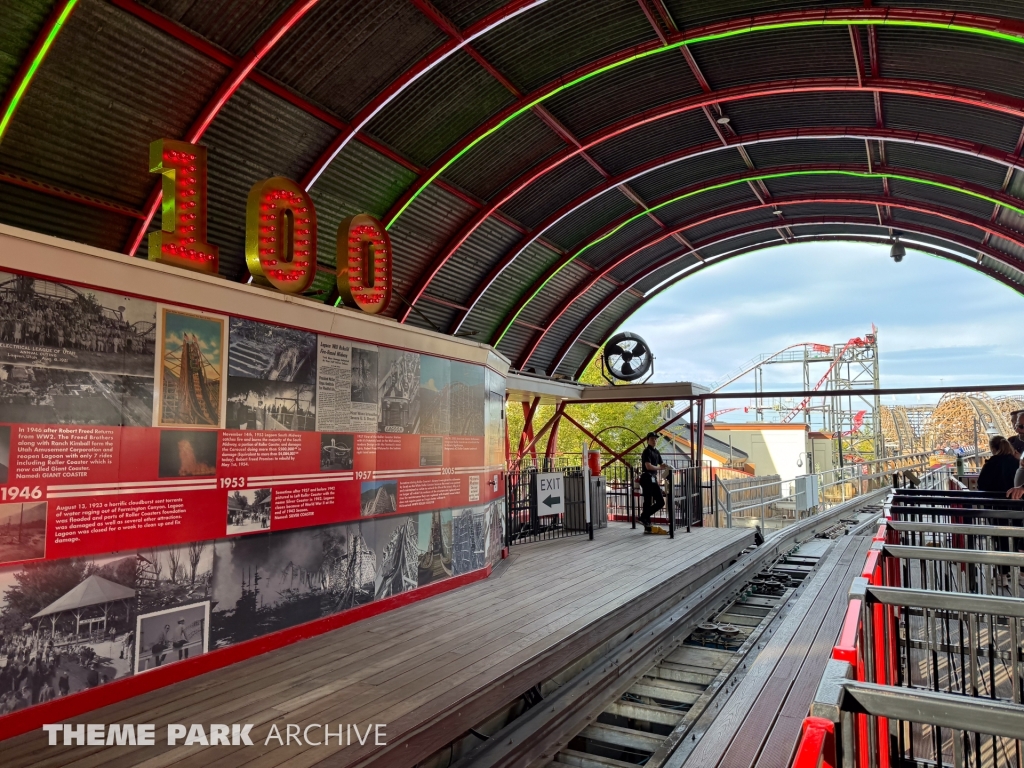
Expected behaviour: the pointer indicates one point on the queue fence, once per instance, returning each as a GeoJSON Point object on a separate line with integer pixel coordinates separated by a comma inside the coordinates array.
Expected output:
{"type": "Point", "coordinates": [929, 666]}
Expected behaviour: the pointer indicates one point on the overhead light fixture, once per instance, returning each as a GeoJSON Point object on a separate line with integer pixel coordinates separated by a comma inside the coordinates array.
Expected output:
{"type": "Point", "coordinates": [723, 120]}
{"type": "Point", "coordinates": [897, 252]}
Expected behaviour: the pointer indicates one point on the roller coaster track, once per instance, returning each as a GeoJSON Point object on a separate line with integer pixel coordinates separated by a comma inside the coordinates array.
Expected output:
{"type": "Point", "coordinates": [763, 359]}
{"type": "Point", "coordinates": [649, 699]}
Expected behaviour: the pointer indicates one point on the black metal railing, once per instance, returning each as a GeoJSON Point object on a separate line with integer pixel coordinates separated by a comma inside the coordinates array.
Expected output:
{"type": "Point", "coordinates": [527, 520]}
{"type": "Point", "coordinates": [685, 499]}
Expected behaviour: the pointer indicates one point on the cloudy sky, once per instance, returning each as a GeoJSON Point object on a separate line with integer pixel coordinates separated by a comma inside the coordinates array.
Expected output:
{"type": "Point", "coordinates": [938, 323]}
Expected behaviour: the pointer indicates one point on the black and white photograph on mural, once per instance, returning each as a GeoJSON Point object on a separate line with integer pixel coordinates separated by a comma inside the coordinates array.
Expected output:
{"type": "Point", "coordinates": [378, 497]}
{"type": "Point", "coordinates": [270, 405]}
{"type": "Point", "coordinates": [53, 325]}
{"type": "Point", "coordinates": [467, 399]}
{"type": "Point", "coordinates": [434, 542]}
{"type": "Point", "coordinates": [170, 635]}
{"type": "Point", "coordinates": [38, 395]}
{"type": "Point", "coordinates": [187, 453]}
{"type": "Point", "coordinates": [267, 583]}
{"type": "Point", "coordinates": [271, 352]}
{"type": "Point", "coordinates": [495, 513]}
{"type": "Point", "coordinates": [398, 384]}
{"type": "Point", "coordinates": [74, 356]}
{"type": "Point", "coordinates": [364, 374]}
{"type": "Point", "coordinates": [346, 384]}
{"type": "Point", "coordinates": [336, 452]}
{"type": "Point", "coordinates": [65, 626]}
{"type": "Point", "coordinates": [396, 546]}
{"type": "Point", "coordinates": [22, 531]}
{"type": "Point", "coordinates": [249, 511]}
{"type": "Point", "coordinates": [469, 539]}
{"type": "Point", "coordinates": [435, 394]}
{"type": "Point", "coordinates": [431, 451]}
{"type": "Point", "coordinates": [70, 625]}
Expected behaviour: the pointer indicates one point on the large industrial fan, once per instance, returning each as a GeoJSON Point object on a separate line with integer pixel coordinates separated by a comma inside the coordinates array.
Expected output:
{"type": "Point", "coordinates": [627, 357]}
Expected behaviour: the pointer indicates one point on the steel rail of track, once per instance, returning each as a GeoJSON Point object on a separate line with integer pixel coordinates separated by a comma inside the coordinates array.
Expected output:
{"type": "Point", "coordinates": [538, 734]}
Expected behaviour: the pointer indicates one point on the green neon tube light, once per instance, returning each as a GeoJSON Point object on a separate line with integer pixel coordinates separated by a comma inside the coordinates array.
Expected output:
{"type": "Point", "coordinates": [704, 39]}
{"type": "Point", "coordinates": [744, 180]}
{"type": "Point", "coordinates": [40, 55]}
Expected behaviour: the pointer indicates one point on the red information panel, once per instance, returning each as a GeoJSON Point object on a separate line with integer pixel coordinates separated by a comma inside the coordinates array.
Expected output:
{"type": "Point", "coordinates": [174, 480]}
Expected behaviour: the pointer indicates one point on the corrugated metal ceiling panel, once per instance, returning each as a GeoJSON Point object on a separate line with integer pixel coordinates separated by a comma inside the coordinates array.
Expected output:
{"type": "Point", "coordinates": [712, 229]}
{"type": "Point", "coordinates": [543, 44]}
{"type": "Point", "coordinates": [689, 14]}
{"type": "Point", "coordinates": [628, 90]}
{"type": "Point", "coordinates": [671, 179]}
{"type": "Point", "coordinates": [559, 291]}
{"type": "Point", "coordinates": [667, 272]}
{"type": "Point", "coordinates": [499, 300]}
{"type": "Point", "coordinates": [459, 278]}
{"type": "Point", "coordinates": [624, 240]}
{"type": "Point", "coordinates": [234, 25]}
{"type": "Point", "coordinates": [567, 324]}
{"type": "Point", "coordinates": [439, 108]}
{"type": "Point", "coordinates": [943, 197]}
{"type": "Point", "coordinates": [441, 316]}
{"type": "Point", "coordinates": [358, 181]}
{"type": "Point", "coordinates": [23, 19]}
{"type": "Point", "coordinates": [833, 110]}
{"type": "Point", "coordinates": [344, 52]}
{"type": "Point", "coordinates": [822, 210]}
{"type": "Point", "coordinates": [647, 257]}
{"type": "Point", "coordinates": [934, 222]}
{"type": "Point", "coordinates": [966, 59]}
{"type": "Point", "coordinates": [963, 167]}
{"type": "Point", "coordinates": [1010, 8]}
{"type": "Point", "coordinates": [582, 223]}
{"type": "Point", "coordinates": [426, 226]}
{"type": "Point", "coordinates": [503, 156]}
{"type": "Point", "coordinates": [61, 218]}
{"type": "Point", "coordinates": [806, 152]}
{"type": "Point", "coordinates": [779, 54]}
{"type": "Point", "coordinates": [653, 140]}
{"type": "Point", "coordinates": [705, 203]}
{"type": "Point", "coordinates": [826, 184]}
{"type": "Point", "coordinates": [463, 13]}
{"type": "Point", "coordinates": [552, 191]}
{"type": "Point", "coordinates": [79, 126]}
{"type": "Point", "coordinates": [948, 119]}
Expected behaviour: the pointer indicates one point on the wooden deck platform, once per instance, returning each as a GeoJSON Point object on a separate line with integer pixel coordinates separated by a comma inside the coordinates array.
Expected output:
{"type": "Point", "coordinates": [428, 671]}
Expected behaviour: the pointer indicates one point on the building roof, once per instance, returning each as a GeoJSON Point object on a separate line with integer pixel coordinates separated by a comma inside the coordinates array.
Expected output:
{"type": "Point", "coordinates": [544, 167]}
{"type": "Point", "coordinates": [94, 590]}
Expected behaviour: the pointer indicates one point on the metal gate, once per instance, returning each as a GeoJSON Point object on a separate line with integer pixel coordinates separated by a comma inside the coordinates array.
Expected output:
{"type": "Point", "coordinates": [685, 499]}
{"type": "Point", "coordinates": [622, 493]}
{"type": "Point", "coordinates": [525, 522]}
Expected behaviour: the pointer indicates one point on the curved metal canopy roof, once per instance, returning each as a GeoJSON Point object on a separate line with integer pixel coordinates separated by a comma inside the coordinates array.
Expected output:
{"type": "Point", "coordinates": [543, 166]}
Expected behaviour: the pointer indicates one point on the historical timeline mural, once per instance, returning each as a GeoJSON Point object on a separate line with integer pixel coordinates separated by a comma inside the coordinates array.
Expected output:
{"type": "Point", "coordinates": [174, 481]}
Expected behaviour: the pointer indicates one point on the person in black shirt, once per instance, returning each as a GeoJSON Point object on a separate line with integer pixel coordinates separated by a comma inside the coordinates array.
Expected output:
{"type": "Point", "coordinates": [654, 500]}
{"type": "Point", "coordinates": [997, 474]}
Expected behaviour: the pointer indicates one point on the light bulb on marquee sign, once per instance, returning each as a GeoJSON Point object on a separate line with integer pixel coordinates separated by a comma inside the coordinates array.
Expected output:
{"type": "Point", "coordinates": [280, 232]}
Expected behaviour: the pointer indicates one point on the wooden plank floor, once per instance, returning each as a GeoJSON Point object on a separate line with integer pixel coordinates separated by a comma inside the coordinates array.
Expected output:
{"type": "Point", "coordinates": [760, 724]}
{"type": "Point", "coordinates": [428, 671]}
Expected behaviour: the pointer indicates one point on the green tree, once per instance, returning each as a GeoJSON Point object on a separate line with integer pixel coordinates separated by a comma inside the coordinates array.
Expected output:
{"type": "Point", "coordinates": [617, 424]}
